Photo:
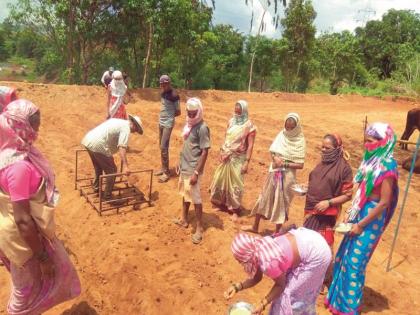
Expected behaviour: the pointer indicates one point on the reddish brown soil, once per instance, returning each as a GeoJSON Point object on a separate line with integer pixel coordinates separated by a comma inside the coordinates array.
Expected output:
{"type": "Point", "coordinates": [138, 262]}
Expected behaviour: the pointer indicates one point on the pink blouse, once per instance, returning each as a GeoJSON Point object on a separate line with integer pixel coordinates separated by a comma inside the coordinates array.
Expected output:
{"type": "Point", "coordinates": [20, 180]}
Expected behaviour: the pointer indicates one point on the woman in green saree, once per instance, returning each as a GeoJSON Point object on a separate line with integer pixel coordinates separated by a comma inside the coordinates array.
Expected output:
{"type": "Point", "coordinates": [228, 181]}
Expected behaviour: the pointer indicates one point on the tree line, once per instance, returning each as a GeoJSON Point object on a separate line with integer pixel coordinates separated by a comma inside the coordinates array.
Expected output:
{"type": "Point", "coordinates": [74, 41]}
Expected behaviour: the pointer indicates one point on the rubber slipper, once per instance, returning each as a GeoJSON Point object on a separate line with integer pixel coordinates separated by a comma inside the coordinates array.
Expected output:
{"type": "Point", "coordinates": [163, 178]}
{"type": "Point", "coordinates": [197, 238]}
{"type": "Point", "coordinates": [158, 173]}
{"type": "Point", "coordinates": [180, 223]}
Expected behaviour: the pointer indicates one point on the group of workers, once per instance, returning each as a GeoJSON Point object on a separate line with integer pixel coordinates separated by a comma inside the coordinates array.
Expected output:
{"type": "Point", "coordinates": [299, 260]}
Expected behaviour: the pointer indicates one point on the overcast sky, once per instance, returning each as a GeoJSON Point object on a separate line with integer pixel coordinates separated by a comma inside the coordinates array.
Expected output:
{"type": "Point", "coordinates": [332, 15]}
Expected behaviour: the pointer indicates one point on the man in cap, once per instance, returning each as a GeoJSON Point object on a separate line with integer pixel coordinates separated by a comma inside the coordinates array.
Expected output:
{"type": "Point", "coordinates": [107, 77]}
{"type": "Point", "coordinates": [169, 109]}
{"type": "Point", "coordinates": [193, 157]}
{"type": "Point", "coordinates": [105, 140]}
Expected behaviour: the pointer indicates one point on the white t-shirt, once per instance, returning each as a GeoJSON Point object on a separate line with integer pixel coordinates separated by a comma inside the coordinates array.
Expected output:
{"type": "Point", "coordinates": [108, 136]}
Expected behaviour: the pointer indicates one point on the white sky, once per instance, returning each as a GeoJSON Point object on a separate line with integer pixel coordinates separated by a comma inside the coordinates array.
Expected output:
{"type": "Point", "coordinates": [332, 15]}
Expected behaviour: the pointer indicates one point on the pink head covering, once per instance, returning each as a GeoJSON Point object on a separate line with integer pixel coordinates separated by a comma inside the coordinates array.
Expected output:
{"type": "Point", "coordinates": [193, 104]}
{"type": "Point", "coordinates": [7, 95]}
{"type": "Point", "coordinates": [255, 252]}
{"type": "Point", "coordinates": [16, 139]}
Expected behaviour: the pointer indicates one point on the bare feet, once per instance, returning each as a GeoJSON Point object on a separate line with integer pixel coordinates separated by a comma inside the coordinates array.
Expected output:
{"type": "Point", "coordinates": [234, 217]}
{"type": "Point", "coordinates": [249, 228]}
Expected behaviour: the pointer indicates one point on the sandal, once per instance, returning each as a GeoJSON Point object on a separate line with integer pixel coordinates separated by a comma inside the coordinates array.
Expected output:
{"type": "Point", "coordinates": [163, 178]}
{"type": "Point", "coordinates": [158, 173]}
{"type": "Point", "coordinates": [196, 238]}
{"type": "Point", "coordinates": [180, 223]}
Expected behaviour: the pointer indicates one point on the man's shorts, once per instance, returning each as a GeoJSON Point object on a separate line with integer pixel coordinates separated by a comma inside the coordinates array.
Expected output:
{"type": "Point", "coordinates": [190, 193]}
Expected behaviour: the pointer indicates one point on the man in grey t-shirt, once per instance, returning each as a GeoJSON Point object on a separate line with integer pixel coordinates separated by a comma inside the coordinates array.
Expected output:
{"type": "Point", "coordinates": [169, 109]}
{"type": "Point", "coordinates": [193, 157]}
{"type": "Point", "coordinates": [105, 140]}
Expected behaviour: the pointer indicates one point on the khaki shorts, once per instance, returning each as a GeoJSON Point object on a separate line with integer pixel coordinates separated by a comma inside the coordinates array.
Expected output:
{"type": "Point", "coordinates": [190, 193]}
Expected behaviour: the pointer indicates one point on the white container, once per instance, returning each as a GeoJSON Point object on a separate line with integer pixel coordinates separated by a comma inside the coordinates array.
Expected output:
{"type": "Point", "coordinates": [299, 189]}
{"type": "Point", "coordinates": [240, 308]}
{"type": "Point", "coordinates": [343, 228]}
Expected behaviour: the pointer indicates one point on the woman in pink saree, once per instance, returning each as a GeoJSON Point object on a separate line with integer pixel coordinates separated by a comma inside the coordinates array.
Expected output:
{"type": "Point", "coordinates": [296, 262]}
{"type": "Point", "coordinates": [41, 272]}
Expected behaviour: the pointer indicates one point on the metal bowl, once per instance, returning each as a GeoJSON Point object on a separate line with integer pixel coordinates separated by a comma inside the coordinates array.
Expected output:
{"type": "Point", "coordinates": [300, 189]}
{"type": "Point", "coordinates": [240, 308]}
{"type": "Point", "coordinates": [343, 228]}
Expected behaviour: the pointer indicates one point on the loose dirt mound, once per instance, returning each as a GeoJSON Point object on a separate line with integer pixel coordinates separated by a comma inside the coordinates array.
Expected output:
{"type": "Point", "coordinates": [138, 262]}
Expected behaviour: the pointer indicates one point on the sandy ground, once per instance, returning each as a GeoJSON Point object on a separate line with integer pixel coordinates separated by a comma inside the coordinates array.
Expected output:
{"type": "Point", "coordinates": [138, 262]}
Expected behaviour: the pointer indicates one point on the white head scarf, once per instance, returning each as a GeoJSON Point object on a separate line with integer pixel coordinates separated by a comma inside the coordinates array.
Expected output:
{"type": "Point", "coordinates": [290, 144]}
{"type": "Point", "coordinates": [193, 104]}
{"type": "Point", "coordinates": [118, 87]}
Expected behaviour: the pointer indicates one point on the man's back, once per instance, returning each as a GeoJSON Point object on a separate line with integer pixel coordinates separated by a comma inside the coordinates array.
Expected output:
{"type": "Point", "coordinates": [108, 136]}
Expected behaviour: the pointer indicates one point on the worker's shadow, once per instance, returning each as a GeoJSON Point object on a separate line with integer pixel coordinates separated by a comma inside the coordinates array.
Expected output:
{"type": "Point", "coordinates": [82, 308]}
{"type": "Point", "coordinates": [374, 301]}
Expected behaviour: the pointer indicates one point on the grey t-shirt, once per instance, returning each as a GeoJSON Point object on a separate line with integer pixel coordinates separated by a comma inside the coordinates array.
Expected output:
{"type": "Point", "coordinates": [198, 139]}
{"type": "Point", "coordinates": [169, 105]}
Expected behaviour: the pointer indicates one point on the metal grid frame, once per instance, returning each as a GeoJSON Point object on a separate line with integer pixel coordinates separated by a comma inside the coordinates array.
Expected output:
{"type": "Point", "coordinates": [126, 196]}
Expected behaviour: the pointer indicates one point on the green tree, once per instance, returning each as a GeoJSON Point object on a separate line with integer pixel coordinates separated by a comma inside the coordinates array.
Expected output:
{"type": "Point", "coordinates": [299, 33]}
{"type": "Point", "coordinates": [381, 41]}
{"type": "Point", "coordinates": [339, 59]}
{"type": "Point", "coordinates": [224, 66]}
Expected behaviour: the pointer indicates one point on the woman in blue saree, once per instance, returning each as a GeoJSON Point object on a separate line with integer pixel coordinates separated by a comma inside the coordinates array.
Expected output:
{"type": "Point", "coordinates": [370, 213]}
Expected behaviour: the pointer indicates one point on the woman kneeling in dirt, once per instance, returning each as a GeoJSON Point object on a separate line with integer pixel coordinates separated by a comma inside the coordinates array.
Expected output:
{"type": "Point", "coordinates": [295, 261]}
{"type": "Point", "coordinates": [288, 154]}
{"type": "Point", "coordinates": [41, 271]}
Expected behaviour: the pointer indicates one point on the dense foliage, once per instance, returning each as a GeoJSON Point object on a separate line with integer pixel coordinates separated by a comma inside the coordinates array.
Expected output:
{"type": "Point", "coordinates": [74, 41]}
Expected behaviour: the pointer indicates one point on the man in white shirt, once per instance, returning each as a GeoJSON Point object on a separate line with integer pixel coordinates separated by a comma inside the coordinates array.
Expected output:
{"type": "Point", "coordinates": [107, 77]}
{"type": "Point", "coordinates": [104, 141]}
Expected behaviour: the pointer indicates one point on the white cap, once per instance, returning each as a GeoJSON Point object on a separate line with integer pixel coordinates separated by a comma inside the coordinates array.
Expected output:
{"type": "Point", "coordinates": [137, 121]}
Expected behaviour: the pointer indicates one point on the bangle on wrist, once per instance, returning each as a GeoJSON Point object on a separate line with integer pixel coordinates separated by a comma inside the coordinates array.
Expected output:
{"type": "Point", "coordinates": [196, 172]}
{"type": "Point", "coordinates": [329, 202]}
{"type": "Point", "coordinates": [237, 289]}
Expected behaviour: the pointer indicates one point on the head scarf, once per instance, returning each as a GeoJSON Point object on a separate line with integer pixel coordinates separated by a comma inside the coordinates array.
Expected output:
{"type": "Point", "coordinates": [378, 163]}
{"type": "Point", "coordinates": [330, 178]}
{"type": "Point", "coordinates": [255, 252]}
{"type": "Point", "coordinates": [243, 117]}
{"type": "Point", "coordinates": [118, 87]}
{"type": "Point", "coordinates": [193, 104]}
{"type": "Point", "coordinates": [6, 96]}
{"type": "Point", "coordinates": [290, 144]}
{"type": "Point", "coordinates": [16, 142]}
{"type": "Point", "coordinates": [332, 155]}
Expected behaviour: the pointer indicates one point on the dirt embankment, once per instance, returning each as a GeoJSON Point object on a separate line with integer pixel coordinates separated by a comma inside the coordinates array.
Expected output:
{"type": "Point", "coordinates": [138, 262]}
